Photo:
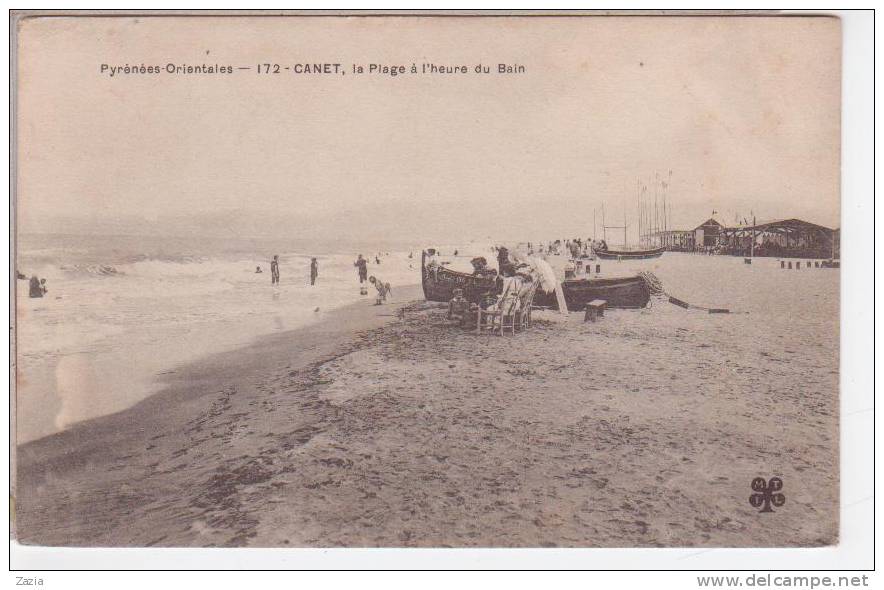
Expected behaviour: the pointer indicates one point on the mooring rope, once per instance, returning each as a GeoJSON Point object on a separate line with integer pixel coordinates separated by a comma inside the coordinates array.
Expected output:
{"type": "Point", "coordinates": [686, 305]}
{"type": "Point", "coordinates": [655, 285]}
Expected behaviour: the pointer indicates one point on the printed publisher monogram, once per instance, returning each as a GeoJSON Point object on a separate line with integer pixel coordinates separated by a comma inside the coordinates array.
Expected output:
{"type": "Point", "coordinates": [767, 493]}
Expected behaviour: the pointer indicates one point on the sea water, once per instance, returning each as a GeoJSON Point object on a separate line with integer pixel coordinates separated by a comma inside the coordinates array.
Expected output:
{"type": "Point", "coordinates": [121, 311]}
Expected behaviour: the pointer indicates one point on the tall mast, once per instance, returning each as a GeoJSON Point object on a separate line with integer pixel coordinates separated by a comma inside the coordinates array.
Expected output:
{"type": "Point", "coordinates": [752, 246]}
{"type": "Point", "coordinates": [638, 210]}
{"type": "Point", "coordinates": [669, 222]}
{"type": "Point", "coordinates": [604, 229]}
{"type": "Point", "coordinates": [666, 207]}
{"type": "Point", "coordinates": [624, 226]}
{"type": "Point", "coordinates": [656, 216]}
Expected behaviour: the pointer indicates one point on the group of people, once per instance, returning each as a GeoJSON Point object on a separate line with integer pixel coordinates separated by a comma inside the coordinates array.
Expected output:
{"type": "Point", "coordinates": [274, 270]}
{"type": "Point", "coordinates": [361, 264]}
{"type": "Point", "coordinates": [507, 292]}
{"type": "Point", "coordinates": [576, 247]}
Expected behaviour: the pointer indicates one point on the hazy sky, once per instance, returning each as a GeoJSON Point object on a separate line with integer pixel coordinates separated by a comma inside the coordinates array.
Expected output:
{"type": "Point", "coordinates": [744, 111]}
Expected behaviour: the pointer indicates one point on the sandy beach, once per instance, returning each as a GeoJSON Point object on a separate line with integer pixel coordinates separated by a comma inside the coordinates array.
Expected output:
{"type": "Point", "coordinates": [209, 209]}
{"type": "Point", "coordinates": [388, 426]}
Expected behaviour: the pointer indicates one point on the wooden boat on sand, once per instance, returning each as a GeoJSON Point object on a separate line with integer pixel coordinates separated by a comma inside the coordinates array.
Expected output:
{"type": "Point", "coordinates": [609, 254]}
{"type": "Point", "coordinates": [439, 284]}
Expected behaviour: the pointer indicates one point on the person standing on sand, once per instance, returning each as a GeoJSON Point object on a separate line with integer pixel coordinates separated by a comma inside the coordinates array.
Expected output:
{"type": "Point", "coordinates": [314, 271]}
{"type": "Point", "coordinates": [361, 267]}
{"type": "Point", "coordinates": [274, 270]}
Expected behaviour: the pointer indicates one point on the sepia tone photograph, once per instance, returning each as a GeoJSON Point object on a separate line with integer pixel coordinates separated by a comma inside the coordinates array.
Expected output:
{"type": "Point", "coordinates": [443, 281]}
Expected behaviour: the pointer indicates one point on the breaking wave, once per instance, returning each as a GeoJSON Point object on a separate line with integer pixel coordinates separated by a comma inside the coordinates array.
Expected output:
{"type": "Point", "coordinates": [104, 270]}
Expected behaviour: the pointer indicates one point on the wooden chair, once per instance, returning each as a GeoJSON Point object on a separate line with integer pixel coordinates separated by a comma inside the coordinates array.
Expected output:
{"type": "Point", "coordinates": [495, 317]}
{"type": "Point", "coordinates": [487, 318]}
{"type": "Point", "coordinates": [525, 307]}
{"type": "Point", "coordinates": [510, 309]}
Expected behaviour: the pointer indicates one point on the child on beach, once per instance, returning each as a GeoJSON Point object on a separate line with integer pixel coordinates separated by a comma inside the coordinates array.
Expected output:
{"type": "Point", "coordinates": [314, 271]}
{"type": "Point", "coordinates": [458, 306]}
{"type": "Point", "coordinates": [383, 289]}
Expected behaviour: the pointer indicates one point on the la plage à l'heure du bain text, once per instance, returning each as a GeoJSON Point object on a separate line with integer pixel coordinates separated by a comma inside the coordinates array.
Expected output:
{"type": "Point", "coordinates": [306, 69]}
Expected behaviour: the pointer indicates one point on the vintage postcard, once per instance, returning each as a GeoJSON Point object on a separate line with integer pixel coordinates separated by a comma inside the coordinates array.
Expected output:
{"type": "Point", "coordinates": [448, 280]}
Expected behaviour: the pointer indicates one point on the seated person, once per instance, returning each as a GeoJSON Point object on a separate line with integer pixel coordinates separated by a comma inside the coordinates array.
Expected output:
{"type": "Point", "coordinates": [512, 288]}
{"type": "Point", "coordinates": [36, 287]}
{"type": "Point", "coordinates": [522, 270]}
{"type": "Point", "coordinates": [481, 269]}
{"type": "Point", "coordinates": [480, 265]}
{"type": "Point", "coordinates": [504, 264]}
{"type": "Point", "coordinates": [507, 269]}
{"type": "Point", "coordinates": [488, 300]}
{"type": "Point", "coordinates": [458, 307]}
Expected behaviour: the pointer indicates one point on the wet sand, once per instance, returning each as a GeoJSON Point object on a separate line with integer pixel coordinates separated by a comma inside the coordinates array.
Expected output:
{"type": "Point", "coordinates": [126, 479]}
{"type": "Point", "coordinates": [387, 428]}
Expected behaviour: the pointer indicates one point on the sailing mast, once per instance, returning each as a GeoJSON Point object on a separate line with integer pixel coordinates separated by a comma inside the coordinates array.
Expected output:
{"type": "Point", "coordinates": [656, 215]}
{"type": "Point", "coordinates": [625, 241]}
{"type": "Point", "coordinates": [669, 221]}
{"type": "Point", "coordinates": [752, 246]}
{"type": "Point", "coordinates": [666, 210]}
{"type": "Point", "coordinates": [638, 200]}
{"type": "Point", "coordinates": [604, 228]}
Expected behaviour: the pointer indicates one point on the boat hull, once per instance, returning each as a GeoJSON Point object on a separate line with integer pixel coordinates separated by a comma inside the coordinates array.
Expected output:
{"type": "Point", "coordinates": [439, 284]}
{"type": "Point", "coordinates": [622, 293]}
{"type": "Point", "coordinates": [629, 254]}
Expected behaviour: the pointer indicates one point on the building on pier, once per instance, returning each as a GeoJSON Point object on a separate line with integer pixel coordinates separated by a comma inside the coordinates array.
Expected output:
{"type": "Point", "coordinates": [785, 238]}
